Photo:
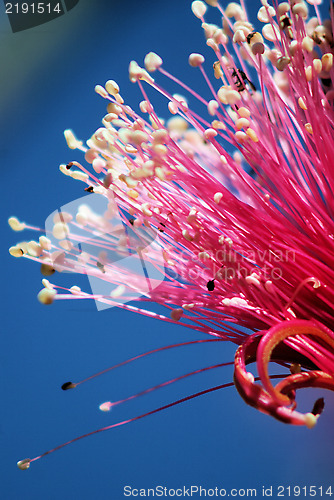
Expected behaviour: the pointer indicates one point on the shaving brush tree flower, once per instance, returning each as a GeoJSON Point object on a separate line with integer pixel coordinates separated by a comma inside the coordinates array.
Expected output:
{"type": "Point", "coordinates": [227, 216]}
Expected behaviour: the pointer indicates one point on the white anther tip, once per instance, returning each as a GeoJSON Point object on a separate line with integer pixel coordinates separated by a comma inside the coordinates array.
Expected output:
{"type": "Point", "coordinates": [105, 406]}
{"type": "Point", "coordinates": [196, 60]}
{"type": "Point", "coordinates": [198, 8]}
{"type": "Point", "coordinates": [71, 140]}
{"type": "Point", "coordinates": [15, 224]}
{"type": "Point", "coordinates": [217, 197]}
{"type": "Point", "coordinates": [152, 62]}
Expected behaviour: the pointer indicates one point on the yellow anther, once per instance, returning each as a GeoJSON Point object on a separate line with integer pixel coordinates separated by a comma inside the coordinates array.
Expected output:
{"type": "Point", "coordinates": [327, 61]}
{"type": "Point", "coordinates": [302, 103]}
{"type": "Point", "coordinates": [309, 128]}
{"type": "Point", "coordinates": [217, 70]}
{"type": "Point", "coordinates": [46, 296]}
{"type": "Point", "coordinates": [111, 87]}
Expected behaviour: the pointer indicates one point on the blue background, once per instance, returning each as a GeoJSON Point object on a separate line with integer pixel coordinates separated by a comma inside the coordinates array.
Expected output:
{"type": "Point", "coordinates": [47, 84]}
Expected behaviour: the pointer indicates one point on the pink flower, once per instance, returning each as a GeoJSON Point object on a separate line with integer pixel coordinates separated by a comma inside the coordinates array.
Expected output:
{"type": "Point", "coordinates": [224, 218]}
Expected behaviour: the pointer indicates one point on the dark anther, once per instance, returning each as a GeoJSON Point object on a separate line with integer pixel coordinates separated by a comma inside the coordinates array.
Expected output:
{"type": "Point", "coordinates": [47, 270]}
{"type": "Point", "coordinates": [69, 165]}
{"type": "Point", "coordinates": [326, 82]}
{"type": "Point", "coordinates": [210, 285]}
{"type": "Point", "coordinates": [252, 86]}
{"type": "Point", "coordinates": [250, 36]}
{"type": "Point", "coordinates": [316, 39]}
{"type": "Point", "coordinates": [285, 22]}
{"type": "Point", "coordinates": [318, 407]}
{"type": "Point", "coordinates": [161, 228]}
{"type": "Point", "coordinates": [240, 83]}
{"type": "Point", "coordinates": [241, 79]}
{"type": "Point", "coordinates": [90, 189]}
{"type": "Point", "coordinates": [131, 221]}
{"type": "Point", "coordinates": [67, 386]}
{"type": "Point", "coordinates": [100, 266]}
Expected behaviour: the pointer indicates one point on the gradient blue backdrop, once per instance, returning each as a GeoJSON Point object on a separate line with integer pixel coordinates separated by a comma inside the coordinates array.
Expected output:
{"type": "Point", "coordinates": [47, 84]}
